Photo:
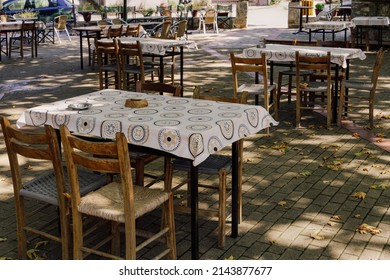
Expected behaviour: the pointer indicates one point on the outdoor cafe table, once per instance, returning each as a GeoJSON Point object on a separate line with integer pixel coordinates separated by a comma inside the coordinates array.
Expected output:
{"type": "Point", "coordinates": [161, 48]}
{"type": "Point", "coordinates": [328, 26]}
{"type": "Point", "coordinates": [372, 21]}
{"type": "Point", "coordinates": [171, 126]}
{"type": "Point", "coordinates": [284, 53]}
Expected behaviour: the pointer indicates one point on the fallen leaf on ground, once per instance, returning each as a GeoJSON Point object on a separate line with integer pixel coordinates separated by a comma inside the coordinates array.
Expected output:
{"type": "Point", "coordinates": [365, 228]}
{"type": "Point", "coordinates": [272, 241]}
{"type": "Point", "coordinates": [305, 173]}
{"type": "Point", "coordinates": [28, 167]}
{"type": "Point", "coordinates": [380, 140]}
{"type": "Point", "coordinates": [357, 216]}
{"type": "Point", "coordinates": [330, 223]}
{"type": "Point", "coordinates": [2, 239]}
{"type": "Point", "coordinates": [41, 244]}
{"type": "Point", "coordinates": [380, 135]}
{"type": "Point", "coordinates": [360, 195]}
{"type": "Point", "coordinates": [336, 217]}
{"type": "Point", "coordinates": [316, 235]}
{"type": "Point", "coordinates": [229, 258]}
{"type": "Point", "coordinates": [262, 147]}
{"type": "Point", "coordinates": [281, 148]}
{"type": "Point", "coordinates": [355, 135]}
{"type": "Point", "coordinates": [359, 154]}
{"type": "Point", "coordinates": [282, 203]}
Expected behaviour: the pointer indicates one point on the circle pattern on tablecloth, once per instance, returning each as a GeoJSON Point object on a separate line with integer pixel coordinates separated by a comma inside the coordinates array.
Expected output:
{"type": "Point", "coordinates": [110, 128]}
{"type": "Point", "coordinates": [138, 134]}
{"type": "Point", "coordinates": [227, 128]}
{"type": "Point", "coordinates": [174, 108]}
{"type": "Point", "coordinates": [243, 131]}
{"type": "Point", "coordinates": [110, 93]}
{"type": "Point", "coordinates": [119, 108]}
{"type": "Point", "coordinates": [141, 119]}
{"type": "Point", "coordinates": [102, 98]}
{"type": "Point", "coordinates": [145, 112]}
{"type": "Point", "coordinates": [200, 119]}
{"type": "Point", "coordinates": [38, 118]}
{"type": "Point", "coordinates": [202, 104]}
{"type": "Point", "coordinates": [178, 101]}
{"type": "Point", "coordinates": [85, 124]}
{"type": "Point", "coordinates": [199, 111]}
{"type": "Point", "coordinates": [169, 139]}
{"type": "Point", "coordinates": [198, 127]}
{"type": "Point", "coordinates": [196, 145]}
{"type": "Point", "coordinates": [214, 145]}
{"type": "Point", "coordinates": [229, 115]}
{"type": "Point", "coordinates": [228, 107]}
{"type": "Point", "coordinates": [171, 115]}
{"type": "Point", "coordinates": [167, 123]}
{"type": "Point", "coordinates": [115, 115]}
{"type": "Point", "coordinates": [60, 119]}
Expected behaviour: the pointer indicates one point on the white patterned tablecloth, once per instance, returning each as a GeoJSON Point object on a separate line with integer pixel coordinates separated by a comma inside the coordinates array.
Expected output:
{"type": "Point", "coordinates": [328, 25]}
{"type": "Point", "coordinates": [276, 52]}
{"type": "Point", "coordinates": [155, 45]}
{"type": "Point", "coordinates": [371, 21]}
{"type": "Point", "coordinates": [185, 127]}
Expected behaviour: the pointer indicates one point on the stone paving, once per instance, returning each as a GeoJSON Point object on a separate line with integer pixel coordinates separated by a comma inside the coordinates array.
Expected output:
{"type": "Point", "coordinates": [298, 184]}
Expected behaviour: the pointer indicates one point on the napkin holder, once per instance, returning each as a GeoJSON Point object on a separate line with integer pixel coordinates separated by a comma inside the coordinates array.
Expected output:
{"type": "Point", "coordinates": [136, 103]}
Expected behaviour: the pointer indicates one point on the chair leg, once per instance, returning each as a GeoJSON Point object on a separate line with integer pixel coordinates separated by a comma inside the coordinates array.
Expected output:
{"type": "Point", "coordinates": [341, 105]}
{"type": "Point", "coordinates": [170, 223]}
{"type": "Point", "coordinates": [222, 209]}
{"type": "Point", "coordinates": [20, 227]}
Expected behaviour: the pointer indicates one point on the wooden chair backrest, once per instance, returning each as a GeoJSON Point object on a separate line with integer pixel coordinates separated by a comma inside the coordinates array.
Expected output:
{"type": "Point", "coordinates": [181, 29]}
{"type": "Point", "coordinates": [114, 31]}
{"type": "Point", "coordinates": [377, 68]}
{"type": "Point", "coordinates": [159, 88]}
{"type": "Point", "coordinates": [106, 157]}
{"type": "Point", "coordinates": [253, 64]}
{"type": "Point", "coordinates": [133, 31]}
{"type": "Point", "coordinates": [106, 51]}
{"type": "Point", "coordinates": [165, 28]}
{"type": "Point", "coordinates": [61, 21]}
{"type": "Point", "coordinates": [33, 145]}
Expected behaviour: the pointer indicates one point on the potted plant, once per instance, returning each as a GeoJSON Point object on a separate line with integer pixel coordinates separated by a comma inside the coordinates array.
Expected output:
{"type": "Point", "coordinates": [319, 7]}
{"type": "Point", "coordinates": [198, 5]}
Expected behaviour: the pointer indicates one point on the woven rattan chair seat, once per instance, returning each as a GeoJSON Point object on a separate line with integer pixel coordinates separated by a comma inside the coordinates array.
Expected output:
{"type": "Point", "coordinates": [43, 187]}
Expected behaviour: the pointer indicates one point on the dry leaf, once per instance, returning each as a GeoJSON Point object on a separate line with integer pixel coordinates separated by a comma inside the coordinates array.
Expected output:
{"type": "Point", "coordinates": [2, 239]}
{"type": "Point", "coordinates": [3, 258]}
{"type": "Point", "coordinates": [41, 244]}
{"type": "Point", "coordinates": [316, 235]}
{"type": "Point", "coordinates": [359, 154]}
{"type": "Point", "coordinates": [229, 258]}
{"type": "Point", "coordinates": [336, 217]}
{"type": "Point", "coordinates": [380, 135]}
{"type": "Point", "coordinates": [28, 167]}
{"type": "Point", "coordinates": [360, 195]}
{"type": "Point", "coordinates": [331, 223]}
{"type": "Point", "coordinates": [281, 148]}
{"type": "Point", "coordinates": [357, 216]}
{"type": "Point", "coordinates": [365, 169]}
{"type": "Point", "coordinates": [282, 203]}
{"type": "Point", "coordinates": [380, 140]}
{"type": "Point", "coordinates": [305, 173]}
{"type": "Point", "coordinates": [178, 196]}
{"type": "Point", "coordinates": [272, 241]}
{"type": "Point", "coordinates": [365, 228]}
{"type": "Point", "coordinates": [356, 135]}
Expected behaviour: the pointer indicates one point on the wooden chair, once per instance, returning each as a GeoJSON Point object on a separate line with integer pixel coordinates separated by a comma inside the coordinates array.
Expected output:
{"type": "Point", "coordinates": [108, 65]}
{"type": "Point", "coordinates": [307, 90]}
{"type": "Point", "coordinates": [359, 85]}
{"type": "Point", "coordinates": [119, 202]}
{"type": "Point", "coordinates": [26, 38]}
{"type": "Point", "coordinates": [210, 18]}
{"type": "Point", "coordinates": [133, 31]}
{"type": "Point", "coordinates": [256, 66]}
{"type": "Point", "coordinates": [132, 63]}
{"type": "Point", "coordinates": [215, 165]}
{"type": "Point", "coordinates": [47, 188]}
{"type": "Point", "coordinates": [290, 72]}
{"type": "Point", "coordinates": [140, 159]}
{"type": "Point", "coordinates": [114, 31]}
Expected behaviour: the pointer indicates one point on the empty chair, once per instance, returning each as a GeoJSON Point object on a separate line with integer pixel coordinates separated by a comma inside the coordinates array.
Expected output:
{"type": "Point", "coordinates": [119, 202]}
{"type": "Point", "coordinates": [133, 31]}
{"type": "Point", "coordinates": [215, 165]}
{"type": "Point", "coordinates": [210, 18]}
{"type": "Point", "coordinates": [26, 38]}
{"type": "Point", "coordinates": [308, 90]}
{"type": "Point", "coordinates": [132, 63]}
{"type": "Point", "coordinates": [367, 98]}
{"type": "Point", "coordinates": [114, 31]}
{"type": "Point", "coordinates": [140, 159]}
{"type": "Point", "coordinates": [46, 188]}
{"type": "Point", "coordinates": [108, 65]}
{"type": "Point", "coordinates": [60, 26]}
{"type": "Point", "coordinates": [260, 87]}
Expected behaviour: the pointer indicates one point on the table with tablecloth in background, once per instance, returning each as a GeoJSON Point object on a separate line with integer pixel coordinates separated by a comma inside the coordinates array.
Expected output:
{"type": "Point", "coordinates": [340, 57]}
{"type": "Point", "coordinates": [172, 126]}
{"type": "Point", "coordinates": [325, 26]}
{"type": "Point", "coordinates": [377, 22]}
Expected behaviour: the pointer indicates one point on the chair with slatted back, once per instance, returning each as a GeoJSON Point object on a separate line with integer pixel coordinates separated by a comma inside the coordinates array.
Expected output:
{"type": "Point", "coordinates": [35, 146]}
{"type": "Point", "coordinates": [356, 101]}
{"type": "Point", "coordinates": [115, 31]}
{"type": "Point", "coordinates": [308, 91]}
{"type": "Point", "coordinates": [26, 38]}
{"type": "Point", "coordinates": [133, 31]}
{"type": "Point", "coordinates": [140, 159]}
{"type": "Point", "coordinates": [132, 63]}
{"type": "Point", "coordinates": [215, 165]}
{"type": "Point", "coordinates": [261, 87]}
{"type": "Point", "coordinates": [108, 63]}
{"type": "Point", "coordinates": [120, 203]}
